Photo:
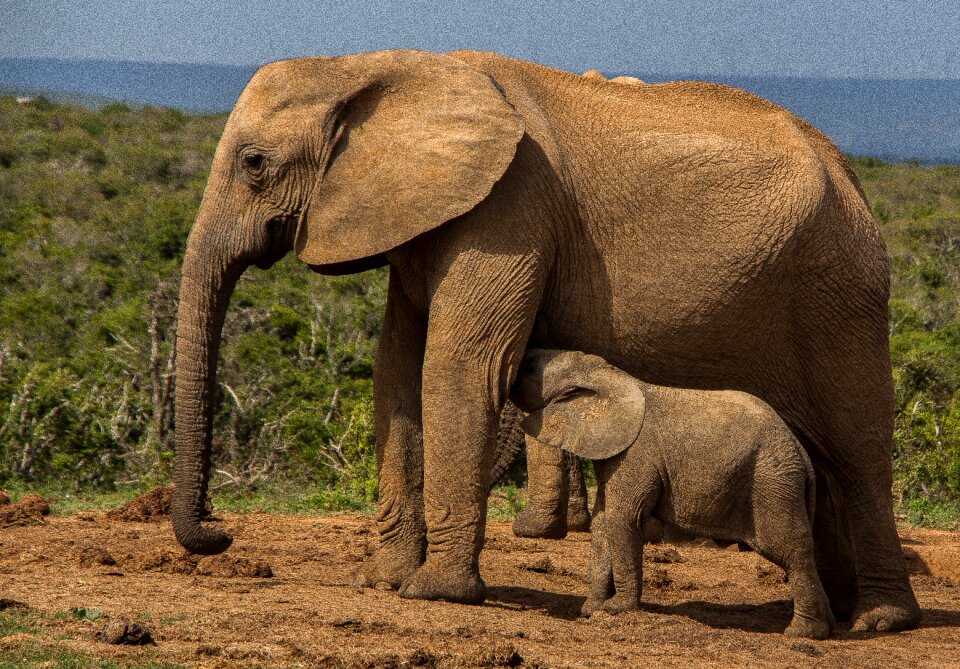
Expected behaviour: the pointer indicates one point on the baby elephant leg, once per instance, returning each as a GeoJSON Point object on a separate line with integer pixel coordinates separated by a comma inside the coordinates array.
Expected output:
{"type": "Point", "coordinates": [601, 572]}
{"type": "Point", "coordinates": [626, 558]}
{"type": "Point", "coordinates": [812, 617]}
{"type": "Point", "coordinates": [790, 545]}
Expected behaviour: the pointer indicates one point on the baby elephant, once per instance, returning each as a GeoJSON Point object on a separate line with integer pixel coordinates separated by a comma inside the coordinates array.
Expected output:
{"type": "Point", "coordinates": [717, 463]}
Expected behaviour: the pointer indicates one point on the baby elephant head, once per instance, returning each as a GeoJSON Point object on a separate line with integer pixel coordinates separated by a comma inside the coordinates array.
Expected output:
{"type": "Point", "coordinates": [579, 403]}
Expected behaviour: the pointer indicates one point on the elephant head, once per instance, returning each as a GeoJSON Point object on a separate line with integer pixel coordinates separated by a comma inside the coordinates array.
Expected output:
{"type": "Point", "coordinates": [579, 403]}
{"type": "Point", "coordinates": [342, 159]}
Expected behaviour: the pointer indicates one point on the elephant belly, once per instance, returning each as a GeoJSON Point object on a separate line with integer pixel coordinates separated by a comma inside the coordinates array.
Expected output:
{"type": "Point", "coordinates": [684, 328]}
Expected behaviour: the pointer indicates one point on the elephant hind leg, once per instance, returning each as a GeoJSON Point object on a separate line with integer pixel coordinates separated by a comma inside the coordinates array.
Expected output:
{"type": "Point", "coordinates": [784, 536]}
{"type": "Point", "coordinates": [835, 553]}
{"type": "Point", "coordinates": [578, 509]}
{"type": "Point", "coordinates": [848, 436]}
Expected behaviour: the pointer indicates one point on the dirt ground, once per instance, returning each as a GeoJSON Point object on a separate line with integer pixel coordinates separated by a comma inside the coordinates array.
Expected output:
{"type": "Point", "coordinates": [281, 596]}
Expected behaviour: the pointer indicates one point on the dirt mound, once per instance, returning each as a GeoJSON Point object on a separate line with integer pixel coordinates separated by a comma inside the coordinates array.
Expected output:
{"type": "Point", "coordinates": [228, 566]}
{"type": "Point", "coordinates": [168, 562]}
{"type": "Point", "coordinates": [30, 510]}
{"type": "Point", "coordinates": [221, 566]}
{"type": "Point", "coordinates": [149, 506]}
{"type": "Point", "coordinates": [94, 555]}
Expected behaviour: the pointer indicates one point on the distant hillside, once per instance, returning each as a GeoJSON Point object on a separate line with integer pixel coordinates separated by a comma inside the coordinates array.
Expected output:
{"type": "Point", "coordinates": [94, 102]}
{"type": "Point", "coordinates": [195, 88]}
{"type": "Point", "coordinates": [895, 120]}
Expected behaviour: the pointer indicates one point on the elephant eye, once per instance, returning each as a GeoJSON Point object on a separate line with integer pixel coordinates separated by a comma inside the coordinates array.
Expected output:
{"type": "Point", "coordinates": [254, 162]}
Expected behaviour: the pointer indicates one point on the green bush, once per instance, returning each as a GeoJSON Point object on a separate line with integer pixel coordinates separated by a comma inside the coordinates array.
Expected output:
{"type": "Point", "coordinates": [95, 209]}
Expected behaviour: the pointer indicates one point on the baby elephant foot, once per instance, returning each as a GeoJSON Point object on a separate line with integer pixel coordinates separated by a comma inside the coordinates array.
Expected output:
{"type": "Point", "coordinates": [808, 628]}
{"type": "Point", "coordinates": [449, 582]}
{"type": "Point", "coordinates": [391, 565]}
{"type": "Point", "coordinates": [621, 603]}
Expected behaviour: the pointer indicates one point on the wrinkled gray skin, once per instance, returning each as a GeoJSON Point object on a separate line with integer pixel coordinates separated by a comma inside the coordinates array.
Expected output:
{"type": "Point", "coordinates": [692, 234]}
{"type": "Point", "coordinates": [556, 494]}
{"type": "Point", "coordinates": [720, 464]}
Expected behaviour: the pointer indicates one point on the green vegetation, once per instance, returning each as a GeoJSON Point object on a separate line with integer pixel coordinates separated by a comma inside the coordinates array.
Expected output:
{"type": "Point", "coordinates": [95, 208]}
{"type": "Point", "coordinates": [918, 209]}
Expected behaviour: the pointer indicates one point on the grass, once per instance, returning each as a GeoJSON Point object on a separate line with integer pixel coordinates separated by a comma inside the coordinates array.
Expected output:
{"type": "Point", "coordinates": [921, 513]}
{"type": "Point", "coordinates": [29, 656]}
{"type": "Point", "coordinates": [18, 622]}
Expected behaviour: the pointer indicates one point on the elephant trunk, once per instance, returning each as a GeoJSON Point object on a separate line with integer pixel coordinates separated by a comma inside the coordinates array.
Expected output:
{"type": "Point", "coordinates": [205, 292]}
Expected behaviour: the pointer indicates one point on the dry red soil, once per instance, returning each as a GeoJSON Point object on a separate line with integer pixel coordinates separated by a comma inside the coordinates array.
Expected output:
{"type": "Point", "coordinates": [281, 597]}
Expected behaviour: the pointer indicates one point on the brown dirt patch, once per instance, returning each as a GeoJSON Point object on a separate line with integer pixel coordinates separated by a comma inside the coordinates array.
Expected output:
{"type": "Point", "coordinates": [30, 510]}
{"type": "Point", "coordinates": [712, 608]}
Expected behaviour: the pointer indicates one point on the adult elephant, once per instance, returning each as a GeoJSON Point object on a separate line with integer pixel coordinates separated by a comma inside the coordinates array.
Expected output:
{"type": "Point", "coordinates": [689, 233]}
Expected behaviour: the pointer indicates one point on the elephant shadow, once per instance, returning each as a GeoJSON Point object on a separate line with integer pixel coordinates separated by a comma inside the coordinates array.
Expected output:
{"type": "Point", "coordinates": [939, 618]}
{"type": "Point", "coordinates": [767, 618]}
{"type": "Point", "coordinates": [773, 617]}
{"type": "Point", "coordinates": [554, 604]}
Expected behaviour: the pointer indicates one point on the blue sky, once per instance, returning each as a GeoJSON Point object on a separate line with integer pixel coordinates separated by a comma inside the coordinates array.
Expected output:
{"type": "Point", "coordinates": [834, 38]}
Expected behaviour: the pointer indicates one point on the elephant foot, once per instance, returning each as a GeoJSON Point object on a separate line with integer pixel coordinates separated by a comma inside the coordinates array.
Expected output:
{"type": "Point", "coordinates": [534, 525]}
{"type": "Point", "coordinates": [808, 628]}
{"type": "Point", "coordinates": [445, 581]}
{"type": "Point", "coordinates": [390, 565]}
{"type": "Point", "coordinates": [578, 519]}
{"type": "Point", "coordinates": [887, 615]}
{"type": "Point", "coordinates": [621, 603]}
{"type": "Point", "coordinates": [591, 606]}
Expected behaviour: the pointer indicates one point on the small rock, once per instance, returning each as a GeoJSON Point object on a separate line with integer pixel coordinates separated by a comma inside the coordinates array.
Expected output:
{"type": "Point", "coordinates": [125, 633]}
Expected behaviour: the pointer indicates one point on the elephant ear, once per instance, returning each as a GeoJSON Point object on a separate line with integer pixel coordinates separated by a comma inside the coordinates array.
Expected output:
{"type": "Point", "coordinates": [424, 139]}
{"type": "Point", "coordinates": [596, 419]}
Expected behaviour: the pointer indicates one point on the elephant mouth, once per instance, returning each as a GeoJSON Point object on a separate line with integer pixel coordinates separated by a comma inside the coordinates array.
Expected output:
{"type": "Point", "coordinates": [280, 231]}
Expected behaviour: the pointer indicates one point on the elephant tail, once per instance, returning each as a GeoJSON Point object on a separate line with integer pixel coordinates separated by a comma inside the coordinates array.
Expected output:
{"type": "Point", "coordinates": [509, 441]}
{"type": "Point", "coordinates": [811, 487]}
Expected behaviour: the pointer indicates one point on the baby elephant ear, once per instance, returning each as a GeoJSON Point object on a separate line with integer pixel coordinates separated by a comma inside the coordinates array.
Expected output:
{"type": "Point", "coordinates": [596, 419]}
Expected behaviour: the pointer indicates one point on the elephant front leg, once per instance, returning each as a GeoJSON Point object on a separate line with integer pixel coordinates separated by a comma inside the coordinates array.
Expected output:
{"type": "Point", "coordinates": [460, 425]}
{"type": "Point", "coordinates": [480, 320]}
{"type": "Point", "coordinates": [578, 506]}
{"type": "Point", "coordinates": [399, 431]}
{"type": "Point", "coordinates": [548, 492]}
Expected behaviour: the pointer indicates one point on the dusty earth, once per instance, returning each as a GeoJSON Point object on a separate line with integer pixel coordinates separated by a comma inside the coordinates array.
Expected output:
{"type": "Point", "coordinates": [281, 597]}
